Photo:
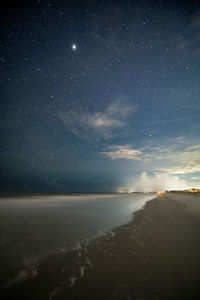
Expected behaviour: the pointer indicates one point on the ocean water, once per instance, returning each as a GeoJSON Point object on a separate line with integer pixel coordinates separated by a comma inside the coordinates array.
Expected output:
{"type": "Point", "coordinates": [35, 228]}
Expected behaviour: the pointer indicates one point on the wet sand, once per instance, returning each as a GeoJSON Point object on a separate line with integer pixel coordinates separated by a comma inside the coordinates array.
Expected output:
{"type": "Point", "coordinates": [155, 256]}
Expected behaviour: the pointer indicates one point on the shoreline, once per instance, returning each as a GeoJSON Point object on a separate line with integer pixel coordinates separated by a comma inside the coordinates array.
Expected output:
{"type": "Point", "coordinates": [29, 274]}
{"type": "Point", "coordinates": [154, 256]}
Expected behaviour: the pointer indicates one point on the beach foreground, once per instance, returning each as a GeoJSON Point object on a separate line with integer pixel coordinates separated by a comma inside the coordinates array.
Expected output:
{"type": "Point", "coordinates": [155, 256]}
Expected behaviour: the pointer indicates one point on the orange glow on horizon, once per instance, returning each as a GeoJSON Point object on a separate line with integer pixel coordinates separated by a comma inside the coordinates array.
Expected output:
{"type": "Point", "coordinates": [160, 192]}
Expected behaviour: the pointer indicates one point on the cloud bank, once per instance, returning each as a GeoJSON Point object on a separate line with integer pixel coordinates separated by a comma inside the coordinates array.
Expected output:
{"type": "Point", "coordinates": [99, 124]}
{"type": "Point", "coordinates": [157, 182]}
{"type": "Point", "coordinates": [167, 163]}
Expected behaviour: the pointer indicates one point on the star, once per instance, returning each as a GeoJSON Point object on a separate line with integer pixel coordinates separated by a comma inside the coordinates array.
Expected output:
{"type": "Point", "coordinates": [74, 47]}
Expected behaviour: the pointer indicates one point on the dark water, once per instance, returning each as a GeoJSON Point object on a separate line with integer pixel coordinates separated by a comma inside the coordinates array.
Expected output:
{"type": "Point", "coordinates": [33, 229]}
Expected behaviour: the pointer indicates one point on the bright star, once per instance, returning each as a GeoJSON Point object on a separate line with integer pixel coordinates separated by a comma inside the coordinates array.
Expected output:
{"type": "Point", "coordinates": [74, 47]}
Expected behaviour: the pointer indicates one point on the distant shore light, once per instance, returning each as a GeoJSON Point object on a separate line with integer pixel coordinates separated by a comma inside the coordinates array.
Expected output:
{"type": "Point", "coordinates": [160, 192]}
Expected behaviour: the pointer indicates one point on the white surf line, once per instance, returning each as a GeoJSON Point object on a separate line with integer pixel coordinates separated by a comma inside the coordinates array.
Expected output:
{"type": "Point", "coordinates": [73, 280]}
{"type": "Point", "coordinates": [112, 234]}
{"type": "Point", "coordinates": [78, 246]}
{"type": "Point", "coordinates": [82, 271]}
{"type": "Point", "coordinates": [22, 275]}
{"type": "Point", "coordinates": [54, 292]}
{"type": "Point", "coordinates": [89, 263]}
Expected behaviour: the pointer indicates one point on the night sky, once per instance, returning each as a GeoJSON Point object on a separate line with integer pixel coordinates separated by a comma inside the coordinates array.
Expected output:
{"type": "Point", "coordinates": [99, 96]}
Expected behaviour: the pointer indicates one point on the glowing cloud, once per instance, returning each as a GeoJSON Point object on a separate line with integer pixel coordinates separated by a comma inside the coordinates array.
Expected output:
{"type": "Point", "coordinates": [119, 152]}
{"type": "Point", "coordinates": [102, 124]}
{"type": "Point", "coordinates": [147, 183]}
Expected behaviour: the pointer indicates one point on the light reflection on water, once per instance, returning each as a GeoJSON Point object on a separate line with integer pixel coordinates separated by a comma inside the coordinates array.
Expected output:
{"type": "Point", "coordinates": [33, 227]}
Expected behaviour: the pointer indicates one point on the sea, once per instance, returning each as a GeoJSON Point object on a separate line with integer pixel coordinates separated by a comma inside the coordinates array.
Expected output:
{"type": "Point", "coordinates": [39, 235]}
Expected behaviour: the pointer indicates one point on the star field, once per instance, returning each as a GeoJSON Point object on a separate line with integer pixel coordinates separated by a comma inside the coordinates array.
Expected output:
{"type": "Point", "coordinates": [95, 93]}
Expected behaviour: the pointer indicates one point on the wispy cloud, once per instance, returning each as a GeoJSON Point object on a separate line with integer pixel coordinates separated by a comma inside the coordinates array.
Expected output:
{"type": "Point", "coordinates": [99, 124]}
{"type": "Point", "coordinates": [191, 166]}
{"type": "Point", "coordinates": [122, 152]}
{"type": "Point", "coordinates": [192, 148]}
{"type": "Point", "coordinates": [189, 39]}
{"type": "Point", "coordinates": [195, 178]}
{"type": "Point", "coordinates": [145, 154]}
{"type": "Point", "coordinates": [184, 161]}
{"type": "Point", "coordinates": [170, 160]}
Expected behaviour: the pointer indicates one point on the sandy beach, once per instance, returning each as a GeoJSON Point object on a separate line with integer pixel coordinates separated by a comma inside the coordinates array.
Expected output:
{"type": "Point", "coordinates": [155, 256]}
